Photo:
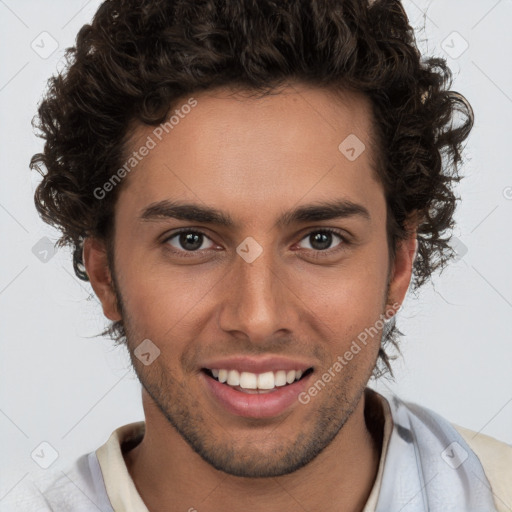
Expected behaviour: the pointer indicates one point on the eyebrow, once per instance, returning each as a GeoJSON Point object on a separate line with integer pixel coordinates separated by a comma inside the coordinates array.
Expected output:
{"type": "Point", "coordinates": [319, 211]}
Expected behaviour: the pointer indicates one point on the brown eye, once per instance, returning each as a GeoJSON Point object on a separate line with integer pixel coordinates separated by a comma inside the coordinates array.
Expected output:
{"type": "Point", "coordinates": [321, 240]}
{"type": "Point", "coordinates": [188, 241]}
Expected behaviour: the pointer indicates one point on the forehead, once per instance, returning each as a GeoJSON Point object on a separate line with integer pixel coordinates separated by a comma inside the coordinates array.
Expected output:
{"type": "Point", "coordinates": [238, 149]}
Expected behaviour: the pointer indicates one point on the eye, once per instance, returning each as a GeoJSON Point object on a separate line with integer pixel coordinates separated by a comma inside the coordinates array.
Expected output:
{"type": "Point", "coordinates": [322, 239]}
{"type": "Point", "coordinates": [188, 241]}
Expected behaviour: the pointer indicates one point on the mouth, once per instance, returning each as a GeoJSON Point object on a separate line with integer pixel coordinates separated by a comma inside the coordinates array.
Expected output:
{"type": "Point", "coordinates": [256, 383]}
{"type": "Point", "coordinates": [263, 395]}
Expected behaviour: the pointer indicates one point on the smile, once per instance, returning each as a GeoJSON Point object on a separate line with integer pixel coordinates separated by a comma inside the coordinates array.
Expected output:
{"type": "Point", "coordinates": [248, 382]}
{"type": "Point", "coordinates": [255, 395]}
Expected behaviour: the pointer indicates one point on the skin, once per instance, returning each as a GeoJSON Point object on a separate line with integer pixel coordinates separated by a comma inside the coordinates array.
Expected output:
{"type": "Point", "coordinates": [254, 159]}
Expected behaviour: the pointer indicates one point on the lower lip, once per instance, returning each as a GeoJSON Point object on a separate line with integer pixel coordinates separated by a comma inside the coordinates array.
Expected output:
{"type": "Point", "coordinates": [261, 405]}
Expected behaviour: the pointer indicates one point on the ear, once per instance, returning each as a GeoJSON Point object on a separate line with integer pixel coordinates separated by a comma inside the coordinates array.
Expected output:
{"type": "Point", "coordinates": [98, 270]}
{"type": "Point", "coordinates": [401, 272]}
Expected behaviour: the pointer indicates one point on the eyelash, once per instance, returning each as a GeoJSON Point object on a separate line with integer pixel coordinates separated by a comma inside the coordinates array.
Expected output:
{"type": "Point", "coordinates": [316, 253]}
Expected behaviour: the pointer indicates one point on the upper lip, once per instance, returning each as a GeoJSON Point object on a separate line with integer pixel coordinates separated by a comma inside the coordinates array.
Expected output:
{"type": "Point", "coordinates": [257, 364]}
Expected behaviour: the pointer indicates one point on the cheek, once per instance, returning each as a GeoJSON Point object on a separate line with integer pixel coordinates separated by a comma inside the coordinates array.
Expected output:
{"type": "Point", "coordinates": [347, 302]}
{"type": "Point", "coordinates": [156, 305]}
{"type": "Point", "coordinates": [164, 302]}
{"type": "Point", "coordinates": [358, 285]}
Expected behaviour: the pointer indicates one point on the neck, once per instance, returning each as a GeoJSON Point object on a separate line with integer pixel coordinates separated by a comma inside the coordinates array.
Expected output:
{"type": "Point", "coordinates": [169, 475]}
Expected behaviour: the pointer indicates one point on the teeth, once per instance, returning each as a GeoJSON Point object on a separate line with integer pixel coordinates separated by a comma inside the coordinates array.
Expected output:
{"type": "Point", "coordinates": [233, 378]}
{"type": "Point", "coordinates": [266, 380]}
{"type": "Point", "coordinates": [248, 380]}
{"type": "Point", "coordinates": [280, 378]}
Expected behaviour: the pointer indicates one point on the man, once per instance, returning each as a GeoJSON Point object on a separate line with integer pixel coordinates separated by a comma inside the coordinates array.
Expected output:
{"type": "Point", "coordinates": [251, 188]}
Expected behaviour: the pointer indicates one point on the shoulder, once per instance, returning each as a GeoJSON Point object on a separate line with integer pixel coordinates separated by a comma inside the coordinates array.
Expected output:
{"type": "Point", "coordinates": [488, 472]}
{"type": "Point", "coordinates": [496, 459]}
{"type": "Point", "coordinates": [78, 488]}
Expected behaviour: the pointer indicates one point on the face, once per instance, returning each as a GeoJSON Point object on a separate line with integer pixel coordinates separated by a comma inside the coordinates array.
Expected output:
{"type": "Point", "coordinates": [247, 243]}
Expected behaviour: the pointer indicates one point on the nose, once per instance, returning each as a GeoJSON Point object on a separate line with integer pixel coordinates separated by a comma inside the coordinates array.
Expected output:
{"type": "Point", "coordinates": [258, 299]}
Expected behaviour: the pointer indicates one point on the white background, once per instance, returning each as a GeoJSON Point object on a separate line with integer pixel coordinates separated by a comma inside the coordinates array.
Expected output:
{"type": "Point", "coordinates": [61, 385]}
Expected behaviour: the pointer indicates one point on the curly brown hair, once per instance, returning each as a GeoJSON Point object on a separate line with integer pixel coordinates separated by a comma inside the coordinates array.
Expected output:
{"type": "Point", "coordinates": [138, 57]}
